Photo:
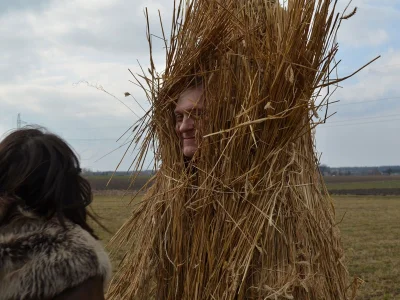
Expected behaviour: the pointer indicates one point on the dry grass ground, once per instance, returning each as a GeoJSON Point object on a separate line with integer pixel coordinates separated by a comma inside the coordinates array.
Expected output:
{"type": "Point", "coordinates": [112, 211]}
{"type": "Point", "coordinates": [370, 230]}
{"type": "Point", "coordinates": [371, 237]}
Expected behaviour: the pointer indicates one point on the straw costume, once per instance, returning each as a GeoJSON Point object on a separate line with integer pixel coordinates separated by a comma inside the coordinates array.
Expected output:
{"type": "Point", "coordinates": [248, 217]}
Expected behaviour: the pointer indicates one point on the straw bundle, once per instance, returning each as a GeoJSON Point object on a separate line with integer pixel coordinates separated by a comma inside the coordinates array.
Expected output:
{"type": "Point", "coordinates": [248, 217]}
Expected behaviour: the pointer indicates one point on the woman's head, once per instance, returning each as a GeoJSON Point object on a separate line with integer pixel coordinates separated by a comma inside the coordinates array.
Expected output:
{"type": "Point", "coordinates": [41, 170]}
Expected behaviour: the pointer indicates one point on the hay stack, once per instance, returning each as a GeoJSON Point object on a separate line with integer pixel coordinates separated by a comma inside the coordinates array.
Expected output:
{"type": "Point", "coordinates": [248, 217]}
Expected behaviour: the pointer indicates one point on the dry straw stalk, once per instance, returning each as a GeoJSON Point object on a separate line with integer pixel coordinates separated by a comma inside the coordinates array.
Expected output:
{"type": "Point", "coordinates": [248, 217]}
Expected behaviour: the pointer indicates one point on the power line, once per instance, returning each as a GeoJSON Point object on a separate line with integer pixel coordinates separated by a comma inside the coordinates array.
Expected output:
{"type": "Point", "coordinates": [20, 122]}
{"type": "Point", "coordinates": [368, 101]}
{"type": "Point", "coordinates": [96, 139]}
{"type": "Point", "coordinates": [383, 67]}
{"type": "Point", "coordinates": [363, 118]}
{"type": "Point", "coordinates": [351, 124]}
{"type": "Point", "coordinates": [100, 127]}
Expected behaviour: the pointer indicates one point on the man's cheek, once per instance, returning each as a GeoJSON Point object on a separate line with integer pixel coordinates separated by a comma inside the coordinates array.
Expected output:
{"type": "Point", "coordinates": [177, 129]}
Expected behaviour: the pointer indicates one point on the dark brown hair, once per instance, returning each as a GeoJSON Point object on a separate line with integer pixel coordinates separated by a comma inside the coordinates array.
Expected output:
{"type": "Point", "coordinates": [41, 171]}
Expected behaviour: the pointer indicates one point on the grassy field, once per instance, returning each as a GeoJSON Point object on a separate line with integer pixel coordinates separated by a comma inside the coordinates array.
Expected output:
{"type": "Point", "coordinates": [370, 230]}
{"type": "Point", "coordinates": [99, 183]}
{"type": "Point", "coordinates": [371, 237]}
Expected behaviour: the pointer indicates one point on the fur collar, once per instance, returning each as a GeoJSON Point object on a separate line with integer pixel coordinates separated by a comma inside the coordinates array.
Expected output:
{"type": "Point", "coordinates": [40, 258]}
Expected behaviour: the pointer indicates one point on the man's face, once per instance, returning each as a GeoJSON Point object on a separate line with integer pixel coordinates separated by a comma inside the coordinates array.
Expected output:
{"type": "Point", "coordinates": [188, 108]}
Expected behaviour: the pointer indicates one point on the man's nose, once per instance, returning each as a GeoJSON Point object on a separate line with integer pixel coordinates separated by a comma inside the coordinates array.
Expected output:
{"type": "Point", "coordinates": [187, 124]}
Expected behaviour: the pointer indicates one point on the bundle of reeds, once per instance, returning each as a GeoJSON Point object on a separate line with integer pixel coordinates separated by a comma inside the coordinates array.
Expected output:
{"type": "Point", "coordinates": [248, 217]}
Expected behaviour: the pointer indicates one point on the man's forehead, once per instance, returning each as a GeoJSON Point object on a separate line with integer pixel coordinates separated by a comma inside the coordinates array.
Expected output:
{"type": "Point", "coordinates": [190, 98]}
{"type": "Point", "coordinates": [193, 92]}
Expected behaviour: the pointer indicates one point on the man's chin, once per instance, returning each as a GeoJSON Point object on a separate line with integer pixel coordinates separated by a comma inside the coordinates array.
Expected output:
{"type": "Point", "coordinates": [188, 152]}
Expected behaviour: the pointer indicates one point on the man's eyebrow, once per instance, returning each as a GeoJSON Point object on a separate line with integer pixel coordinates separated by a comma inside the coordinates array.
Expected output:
{"type": "Point", "coordinates": [196, 109]}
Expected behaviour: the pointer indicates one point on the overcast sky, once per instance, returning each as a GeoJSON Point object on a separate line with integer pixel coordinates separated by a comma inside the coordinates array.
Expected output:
{"type": "Point", "coordinates": [48, 46]}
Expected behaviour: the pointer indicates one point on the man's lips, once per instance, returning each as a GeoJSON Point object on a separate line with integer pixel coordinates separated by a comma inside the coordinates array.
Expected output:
{"type": "Point", "coordinates": [188, 138]}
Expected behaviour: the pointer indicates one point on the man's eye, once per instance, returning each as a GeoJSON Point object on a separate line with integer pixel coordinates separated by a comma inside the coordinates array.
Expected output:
{"type": "Point", "coordinates": [178, 118]}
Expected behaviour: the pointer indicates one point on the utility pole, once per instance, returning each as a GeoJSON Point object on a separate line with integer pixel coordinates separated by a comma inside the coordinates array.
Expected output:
{"type": "Point", "coordinates": [19, 121]}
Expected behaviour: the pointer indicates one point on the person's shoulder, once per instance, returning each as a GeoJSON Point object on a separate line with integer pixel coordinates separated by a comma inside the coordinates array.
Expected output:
{"type": "Point", "coordinates": [41, 258]}
{"type": "Point", "coordinates": [94, 252]}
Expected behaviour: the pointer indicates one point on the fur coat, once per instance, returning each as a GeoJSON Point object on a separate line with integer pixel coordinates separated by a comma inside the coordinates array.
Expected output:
{"type": "Point", "coordinates": [39, 258]}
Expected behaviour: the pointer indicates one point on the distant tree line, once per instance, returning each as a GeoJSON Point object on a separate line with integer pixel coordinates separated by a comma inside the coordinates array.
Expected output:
{"type": "Point", "coordinates": [348, 171]}
{"type": "Point", "coordinates": [88, 172]}
{"type": "Point", "coordinates": [325, 170]}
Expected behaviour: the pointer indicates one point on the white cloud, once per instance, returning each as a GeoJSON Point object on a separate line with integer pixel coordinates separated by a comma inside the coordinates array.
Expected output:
{"type": "Point", "coordinates": [379, 80]}
{"type": "Point", "coordinates": [367, 37]}
{"type": "Point", "coordinates": [7, 7]}
{"type": "Point", "coordinates": [48, 50]}
{"type": "Point", "coordinates": [364, 130]}
{"type": "Point", "coordinates": [372, 24]}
